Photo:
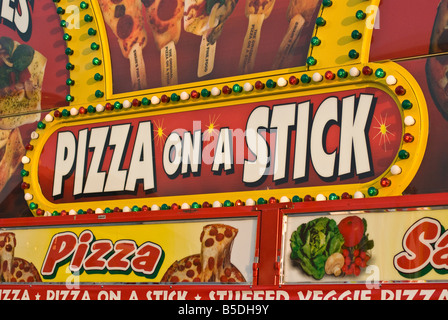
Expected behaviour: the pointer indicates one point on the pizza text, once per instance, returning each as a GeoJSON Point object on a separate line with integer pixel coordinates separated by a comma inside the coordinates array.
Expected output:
{"type": "Point", "coordinates": [121, 158]}
{"type": "Point", "coordinates": [85, 253]}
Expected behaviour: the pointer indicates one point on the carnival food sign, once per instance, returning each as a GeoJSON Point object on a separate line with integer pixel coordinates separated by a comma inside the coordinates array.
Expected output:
{"type": "Point", "coordinates": [352, 142]}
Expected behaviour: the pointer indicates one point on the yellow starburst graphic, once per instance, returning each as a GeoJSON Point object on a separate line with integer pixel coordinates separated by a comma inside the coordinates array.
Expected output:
{"type": "Point", "coordinates": [383, 131]}
{"type": "Point", "coordinates": [211, 127]}
{"type": "Point", "coordinates": [159, 133]}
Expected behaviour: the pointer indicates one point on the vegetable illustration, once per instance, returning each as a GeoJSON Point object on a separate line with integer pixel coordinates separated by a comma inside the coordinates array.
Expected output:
{"type": "Point", "coordinates": [14, 63]}
{"type": "Point", "coordinates": [334, 264]}
{"type": "Point", "coordinates": [313, 242]}
{"type": "Point", "coordinates": [356, 244]}
{"type": "Point", "coordinates": [352, 229]}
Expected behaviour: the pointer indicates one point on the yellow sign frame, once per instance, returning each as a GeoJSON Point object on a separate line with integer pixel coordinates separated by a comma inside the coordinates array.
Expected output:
{"type": "Point", "coordinates": [336, 52]}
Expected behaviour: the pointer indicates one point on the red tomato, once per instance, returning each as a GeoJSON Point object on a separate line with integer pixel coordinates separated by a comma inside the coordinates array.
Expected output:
{"type": "Point", "coordinates": [352, 229]}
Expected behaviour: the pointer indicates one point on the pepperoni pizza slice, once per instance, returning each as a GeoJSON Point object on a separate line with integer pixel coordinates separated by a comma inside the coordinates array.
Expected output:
{"type": "Point", "coordinates": [216, 247]}
{"type": "Point", "coordinates": [165, 19]}
{"type": "Point", "coordinates": [14, 269]}
{"type": "Point", "coordinates": [7, 248]}
{"type": "Point", "coordinates": [187, 269]}
{"type": "Point", "coordinates": [126, 21]}
{"type": "Point", "coordinates": [213, 264]}
{"type": "Point", "coordinates": [24, 271]}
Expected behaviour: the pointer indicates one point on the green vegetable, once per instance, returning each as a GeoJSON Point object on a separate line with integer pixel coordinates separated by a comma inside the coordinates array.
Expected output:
{"type": "Point", "coordinates": [4, 76]}
{"type": "Point", "coordinates": [7, 44]}
{"type": "Point", "coordinates": [22, 57]}
{"type": "Point", "coordinates": [313, 242]}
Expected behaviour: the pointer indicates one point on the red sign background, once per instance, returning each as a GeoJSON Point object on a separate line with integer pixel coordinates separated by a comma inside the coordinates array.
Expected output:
{"type": "Point", "coordinates": [384, 138]}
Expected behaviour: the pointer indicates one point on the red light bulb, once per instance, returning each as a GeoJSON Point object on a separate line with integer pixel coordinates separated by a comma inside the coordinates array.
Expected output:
{"type": "Point", "coordinates": [308, 198]}
{"type": "Point", "coordinates": [194, 94]}
{"type": "Point", "coordinates": [329, 75]}
{"type": "Point", "coordinates": [400, 90]}
{"type": "Point", "coordinates": [407, 137]}
{"type": "Point", "coordinates": [293, 80]}
{"type": "Point", "coordinates": [385, 182]}
{"type": "Point", "coordinates": [367, 71]}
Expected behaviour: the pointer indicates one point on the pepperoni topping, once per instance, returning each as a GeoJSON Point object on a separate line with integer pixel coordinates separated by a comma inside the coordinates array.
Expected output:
{"type": "Point", "coordinates": [174, 279]}
{"type": "Point", "coordinates": [188, 264]}
{"type": "Point", "coordinates": [213, 231]}
{"type": "Point", "coordinates": [8, 248]}
{"type": "Point", "coordinates": [209, 242]}
{"type": "Point", "coordinates": [2, 243]}
{"type": "Point", "coordinates": [124, 26]}
{"type": "Point", "coordinates": [190, 273]}
{"type": "Point", "coordinates": [120, 11]}
{"type": "Point", "coordinates": [167, 10]}
{"type": "Point", "coordinates": [5, 266]}
{"type": "Point", "coordinates": [211, 263]}
{"type": "Point", "coordinates": [219, 237]}
{"type": "Point", "coordinates": [228, 233]}
{"type": "Point", "coordinates": [228, 272]}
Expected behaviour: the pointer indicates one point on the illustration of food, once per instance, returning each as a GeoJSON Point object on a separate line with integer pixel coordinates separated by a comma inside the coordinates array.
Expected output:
{"type": "Point", "coordinates": [21, 77]}
{"type": "Point", "coordinates": [13, 151]}
{"type": "Point", "coordinates": [257, 11]}
{"type": "Point", "coordinates": [126, 21]}
{"type": "Point", "coordinates": [14, 269]}
{"type": "Point", "coordinates": [321, 246]}
{"type": "Point", "coordinates": [24, 271]}
{"type": "Point", "coordinates": [165, 18]}
{"type": "Point", "coordinates": [437, 67]}
{"type": "Point", "coordinates": [7, 246]}
{"type": "Point", "coordinates": [313, 242]}
{"type": "Point", "coordinates": [299, 13]}
{"type": "Point", "coordinates": [334, 264]}
{"type": "Point", "coordinates": [356, 244]}
{"type": "Point", "coordinates": [213, 263]}
{"type": "Point", "coordinates": [206, 19]}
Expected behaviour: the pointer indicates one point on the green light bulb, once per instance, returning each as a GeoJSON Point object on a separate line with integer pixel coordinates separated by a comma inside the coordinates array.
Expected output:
{"type": "Point", "coordinates": [353, 54]}
{"type": "Point", "coordinates": [311, 61]}
{"type": "Point", "coordinates": [360, 15]}
{"type": "Point", "coordinates": [321, 22]}
{"type": "Point", "coordinates": [315, 41]}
